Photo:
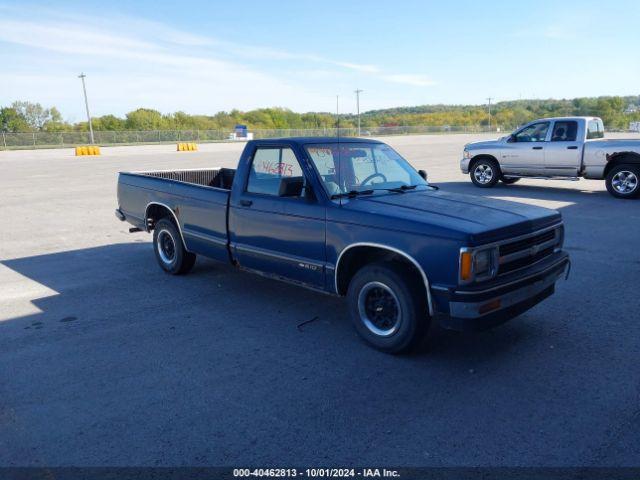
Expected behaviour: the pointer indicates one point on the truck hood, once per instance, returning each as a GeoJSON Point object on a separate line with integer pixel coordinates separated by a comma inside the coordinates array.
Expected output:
{"type": "Point", "coordinates": [484, 220]}
{"type": "Point", "coordinates": [483, 144]}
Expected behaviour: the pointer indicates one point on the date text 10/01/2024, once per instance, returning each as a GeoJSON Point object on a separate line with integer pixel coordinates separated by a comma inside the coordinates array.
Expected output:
{"type": "Point", "coordinates": [316, 472]}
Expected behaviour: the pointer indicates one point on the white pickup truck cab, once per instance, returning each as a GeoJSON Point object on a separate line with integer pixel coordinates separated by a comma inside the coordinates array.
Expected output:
{"type": "Point", "coordinates": [557, 148]}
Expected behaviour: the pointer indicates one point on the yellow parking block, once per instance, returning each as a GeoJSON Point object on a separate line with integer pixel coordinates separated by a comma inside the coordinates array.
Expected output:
{"type": "Point", "coordinates": [187, 147]}
{"type": "Point", "coordinates": [87, 150]}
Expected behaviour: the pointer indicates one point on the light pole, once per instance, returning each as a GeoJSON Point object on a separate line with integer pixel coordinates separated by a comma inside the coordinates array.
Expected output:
{"type": "Point", "coordinates": [489, 100]}
{"type": "Point", "coordinates": [358, 92]}
{"type": "Point", "coordinates": [86, 104]}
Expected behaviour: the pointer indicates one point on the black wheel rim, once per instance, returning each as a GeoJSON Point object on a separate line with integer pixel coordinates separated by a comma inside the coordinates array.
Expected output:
{"type": "Point", "coordinates": [379, 309]}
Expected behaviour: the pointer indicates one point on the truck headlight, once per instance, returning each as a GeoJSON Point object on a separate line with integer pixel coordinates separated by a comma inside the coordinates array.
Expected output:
{"type": "Point", "coordinates": [482, 262]}
{"type": "Point", "coordinates": [478, 264]}
{"type": "Point", "coordinates": [466, 153]}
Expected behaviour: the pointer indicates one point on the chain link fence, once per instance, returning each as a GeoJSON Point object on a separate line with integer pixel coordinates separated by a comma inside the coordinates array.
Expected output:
{"type": "Point", "coordinates": [128, 137]}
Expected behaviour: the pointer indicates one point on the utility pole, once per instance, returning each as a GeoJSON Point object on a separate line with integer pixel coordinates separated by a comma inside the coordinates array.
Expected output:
{"type": "Point", "coordinates": [489, 100]}
{"type": "Point", "coordinates": [86, 104]}
{"type": "Point", "coordinates": [358, 92]}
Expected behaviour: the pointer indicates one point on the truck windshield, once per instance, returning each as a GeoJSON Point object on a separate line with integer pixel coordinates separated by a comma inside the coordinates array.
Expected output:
{"type": "Point", "coordinates": [362, 167]}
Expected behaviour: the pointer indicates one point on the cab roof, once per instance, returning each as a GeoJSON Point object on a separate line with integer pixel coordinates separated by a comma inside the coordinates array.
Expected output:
{"type": "Point", "coordinates": [564, 118]}
{"type": "Point", "coordinates": [308, 140]}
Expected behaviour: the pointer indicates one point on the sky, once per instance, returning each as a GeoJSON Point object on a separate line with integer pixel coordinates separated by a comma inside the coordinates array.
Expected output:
{"type": "Point", "coordinates": [202, 57]}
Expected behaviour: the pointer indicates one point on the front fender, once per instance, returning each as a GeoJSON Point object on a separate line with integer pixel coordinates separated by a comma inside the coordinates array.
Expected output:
{"type": "Point", "coordinates": [464, 165]}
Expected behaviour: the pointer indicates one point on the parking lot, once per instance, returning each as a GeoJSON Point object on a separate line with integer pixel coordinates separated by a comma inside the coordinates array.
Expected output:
{"type": "Point", "coordinates": [106, 360]}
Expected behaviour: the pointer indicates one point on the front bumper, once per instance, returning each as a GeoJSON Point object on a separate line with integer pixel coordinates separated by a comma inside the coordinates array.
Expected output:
{"type": "Point", "coordinates": [480, 309]}
{"type": "Point", "coordinates": [121, 216]}
{"type": "Point", "coordinates": [464, 165]}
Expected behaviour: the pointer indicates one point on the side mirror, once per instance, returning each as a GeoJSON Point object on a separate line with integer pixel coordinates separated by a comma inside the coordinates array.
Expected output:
{"type": "Point", "coordinates": [291, 187]}
{"type": "Point", "coordinates": [423, 174]}
{"type": "Point", "coordinates": [309, 194]}
{"type": "Point", "coordinates": [511, 138]}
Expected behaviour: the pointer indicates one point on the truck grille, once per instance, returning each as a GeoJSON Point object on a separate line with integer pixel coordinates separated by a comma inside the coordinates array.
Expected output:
{"type": "Point", "coordinates": [525, 251]}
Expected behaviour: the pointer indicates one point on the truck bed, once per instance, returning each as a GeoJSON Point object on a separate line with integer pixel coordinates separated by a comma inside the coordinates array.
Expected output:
{"type": "Point", "coordinates": [196, 199]}
{"type": "Point", "coordinates": [596, 154]}
{"type": "Point", "coordinates": [215, 177]}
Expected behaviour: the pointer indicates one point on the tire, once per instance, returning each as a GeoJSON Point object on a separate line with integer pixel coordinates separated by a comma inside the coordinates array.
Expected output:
{"type": "Point", "coordinates": [485, 173]}
{"type": "Point", "coordinates": [509, 181]}
{"type": "Point", "coordinates": [398, 289]}
{"type": "Point", "coordinates": [170, 252]}
{"type": "Point", "coordinates": [623, 181]}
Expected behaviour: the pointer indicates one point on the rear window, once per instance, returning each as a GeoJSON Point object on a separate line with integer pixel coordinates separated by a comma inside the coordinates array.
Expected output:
{"type": "Point", "coordinates": [269, 166]}
{"type": "Point", "coordinates": [595, 129]}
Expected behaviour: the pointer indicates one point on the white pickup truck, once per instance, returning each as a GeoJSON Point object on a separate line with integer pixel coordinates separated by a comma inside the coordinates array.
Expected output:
{"type": "Point", "coordinates": [557, 148]}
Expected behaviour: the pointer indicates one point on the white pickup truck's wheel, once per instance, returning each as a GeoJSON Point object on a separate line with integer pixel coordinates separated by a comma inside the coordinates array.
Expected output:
{"type": "Point", "coordinates": [170, 252]}
{"type": "Point", "coordinates": [388, 307]}
{"type": "Point", "coordinates": [485, 173]}
{"type": "Point", "coordinates": [623, 181]}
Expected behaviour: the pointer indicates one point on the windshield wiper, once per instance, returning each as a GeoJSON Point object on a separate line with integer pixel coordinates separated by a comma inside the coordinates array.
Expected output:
{"type": "Point", "coordinates": [404, 188]}
{"type": "Point", "coordinates": [400, 189]}
{"type": "Point", "coordinates": [351, 194]}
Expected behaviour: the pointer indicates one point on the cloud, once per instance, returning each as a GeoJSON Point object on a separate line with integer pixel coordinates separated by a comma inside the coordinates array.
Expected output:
{"type": "Point", "coordinates": [359, 67]}
{"type": "Point", "coordinates": [127, 72]}
{"type": "Point", "coordinates": [550, 32]}
{"type": "Point", "coordinates": [133, 62]}
{"type": "Point", "coordinates": [67, 35]}
{"type": "Point", "coordinates": [410, 79]}
{"type": "Point", "coordinates": [564, 24]}
{"type": "Point", "coordinates": [67, 38]}
{"type": "Point", "coordinates": [559, 32]}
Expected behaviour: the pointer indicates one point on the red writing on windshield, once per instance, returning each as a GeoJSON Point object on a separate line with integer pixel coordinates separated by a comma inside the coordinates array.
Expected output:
{"type": "Point", "coordinates": [282, 169]}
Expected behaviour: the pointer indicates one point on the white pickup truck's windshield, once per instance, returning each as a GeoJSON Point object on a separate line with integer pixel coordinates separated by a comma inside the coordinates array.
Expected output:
{"type": "Point", "coordinates": [357, 167]}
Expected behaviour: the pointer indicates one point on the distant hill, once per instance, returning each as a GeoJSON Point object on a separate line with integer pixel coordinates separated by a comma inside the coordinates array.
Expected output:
{"type": "Point", "coordinates": [616, 112]}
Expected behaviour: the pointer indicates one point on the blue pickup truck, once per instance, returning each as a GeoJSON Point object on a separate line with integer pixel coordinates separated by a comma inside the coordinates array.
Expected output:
{"type": "Point", "coordinates": [351, 217]}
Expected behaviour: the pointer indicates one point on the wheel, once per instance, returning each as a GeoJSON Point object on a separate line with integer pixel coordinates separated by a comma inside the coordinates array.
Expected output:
{"type": "Point", "coordinates": [623, 181]}
{"type": "Point", "coordinates": [170, 252]}
{"type": "Point", "coordinates": [485, 173]}
{"type": "Point", "coordinates": [509, 181]}
{"type": "Point", "coordinates": [388, 306]}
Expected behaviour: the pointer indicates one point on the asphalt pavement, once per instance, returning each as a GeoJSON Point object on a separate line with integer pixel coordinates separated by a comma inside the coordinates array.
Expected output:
{"type": "Point", "coordinates": [106, 360]}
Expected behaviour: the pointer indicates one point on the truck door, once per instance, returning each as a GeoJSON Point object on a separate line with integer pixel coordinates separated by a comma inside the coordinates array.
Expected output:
{"type": "Point", "coordinates": [276, 224]}
{"type": "Point", "coordinates": [563, 152]}
{"type": "Point", "coordinates": [525, 150]}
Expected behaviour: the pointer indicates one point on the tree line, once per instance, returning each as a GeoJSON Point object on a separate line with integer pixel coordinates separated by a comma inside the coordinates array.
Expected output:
{"type": "Point", "coordinates": [616, 112]}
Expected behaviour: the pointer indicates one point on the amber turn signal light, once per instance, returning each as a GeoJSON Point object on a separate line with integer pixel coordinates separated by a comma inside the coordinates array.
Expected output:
{"type": "Point", "coordinates": [466, 260]}
{"type": "Point", "coordinates": [490, 306]}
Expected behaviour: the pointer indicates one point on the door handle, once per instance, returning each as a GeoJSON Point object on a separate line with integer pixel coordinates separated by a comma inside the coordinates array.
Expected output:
{"type": "Point", "coordinates": [246, 203]}
{"type": "Point", "coordinates": [537, 148]}
{"type": "Point", "coordinates": [572, 147]}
